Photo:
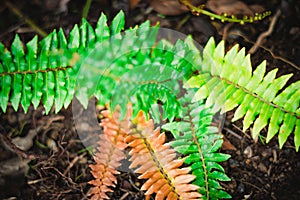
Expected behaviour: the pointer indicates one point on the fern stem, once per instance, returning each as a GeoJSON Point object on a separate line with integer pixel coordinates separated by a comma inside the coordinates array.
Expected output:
{"type": "Point", "coordinates": [199, 10]}
{"type": "Point", "coordinates": [159, 165]}
{"type": "Point", "coordinates": [36, 71]}
{"type": "Point", "coordinates": [258, 97]}
{"type": "Point", "coordinates": [86, 8]}
{"type": "Point", "coordinates": [202, 158]}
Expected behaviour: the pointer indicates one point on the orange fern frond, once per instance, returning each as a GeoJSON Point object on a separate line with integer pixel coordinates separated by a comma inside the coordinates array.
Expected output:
{"type": "Point", "coordinates": [156, 161]}
{"type": "Point", "coordinates": [110, 153]}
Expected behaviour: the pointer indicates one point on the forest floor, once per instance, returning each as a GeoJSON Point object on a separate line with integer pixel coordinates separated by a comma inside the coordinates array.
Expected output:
{"type": "Point", "coordinates": [55, 166]}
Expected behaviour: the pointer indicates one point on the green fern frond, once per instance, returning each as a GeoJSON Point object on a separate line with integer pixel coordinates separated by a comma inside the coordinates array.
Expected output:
{"type": "Point", "coordinates": [139, 71]}
{"type": "Point", "coordinates": [227, 82]}
{"type": "Point", "coordinates": [104, 62]}
{"type": "Point", "coordinates": [47, 70]}
{"type": "Point", "coordinates": [199, 143]}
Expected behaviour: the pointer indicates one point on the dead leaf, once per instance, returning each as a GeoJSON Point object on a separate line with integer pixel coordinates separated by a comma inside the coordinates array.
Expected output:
{"type": "Point", "coordinates": [172, 7]}
{"type": "Point", "coordinates": [227, 145]}
{"type": "Point", "coordinates": [233, 7]}
{"type": "Point", "coordinates": [133, 3]}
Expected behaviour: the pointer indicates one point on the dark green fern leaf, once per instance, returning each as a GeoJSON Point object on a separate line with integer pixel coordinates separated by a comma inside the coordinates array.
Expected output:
{"type": "Point", "coordinates": [139, 72]}
{"type": "Point", "coordinates": [199, 142]}
{"type": "Point", "coordinates": [47, 70]}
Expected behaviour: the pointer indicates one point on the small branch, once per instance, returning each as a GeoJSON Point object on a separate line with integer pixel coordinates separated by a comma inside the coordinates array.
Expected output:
{"type": "Point", "coordinates": [233, 133]}
{"type": "Point", "coordinates": [223, 18]}
{"type": "Point", "coordinates": [265, 34]}
{"type": "Point", "coordinates": [28, 21]}
{"type": "Point", "coordinates": [267, 49]}
{"type": "Point", "coordinates": [73, 162]}
{"type": "Point", "coordinates": [17, 150]}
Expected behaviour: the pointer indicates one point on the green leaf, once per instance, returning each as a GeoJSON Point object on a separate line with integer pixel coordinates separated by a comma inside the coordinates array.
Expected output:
{"type": "Point", "coordinates": [197, 81]}
{"type": "Point", "coordinates": [276, 85]}
{"type": "Point", "coordinates": [31, 55]}
{"type": "Point", "coordinates": [266, 82]}
{"type": "Point", "coordinates": [246, 72]}
{"type": "Point", "coordinates": [253, 111]}
{"type": "Point", "coordinates": [102, 30]}
{"type": "Point", "coordinates": [297, 135]}
{"type": "Point", "coordinates": [26, 91]}
{"type": "Point", "coordinates": [43, 58]}
{"type": "Point", "coordinates": [242, 109]}
{"type": "Point", "coordinates": [284, 96]}
{"type": "Point", "coordinates": [118, 23]}
{"type": "Point", "coordinates": [37, 84]}
{"type": "Point", "coordinates": [74, 39]}
{"type": "Point", "coordinates": [257, 77]}
{"type": "Point", "coordinates": [285, 130]}
{"type": "Point", "coordinates": [262, 120]}
{"type": "Point", "coordinates": [18, 54]}
{"type": "Point", "coordinates": [16, 90]}
{"type": "Point", "coordinates": [275, 121]}
{"type": "Point", "coordinates": [48, 91]}
{"type": "Point", "coordinates": [236, 66]}
{"type": "Point", "coordinates": [5, 82]}
{"type": "Point", "coordinates": [60, 90]}
{"type": "Point", "coordinates": [229, 57]}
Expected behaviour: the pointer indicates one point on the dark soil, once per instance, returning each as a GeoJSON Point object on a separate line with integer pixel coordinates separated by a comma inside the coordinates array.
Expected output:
{"type": "Point", "coordinates": [55, 166]}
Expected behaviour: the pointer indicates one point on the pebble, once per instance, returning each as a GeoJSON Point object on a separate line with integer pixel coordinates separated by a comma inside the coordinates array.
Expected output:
{"type": "Point", "coordinates": [241, 188]}
{"type": "Point", "coordinates": [248, 152]}
{"type": "Point", "coordinates": [266, 153]}
{"type": "Point", "coordinates": [262, 168]}
{"type": "Point", "coordinates": [233, 163]}
{"type": "Point", "coordinates": [294, 30]}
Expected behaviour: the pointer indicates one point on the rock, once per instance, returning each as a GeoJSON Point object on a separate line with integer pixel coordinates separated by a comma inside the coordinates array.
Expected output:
{"type": "Point", "coordinates": [262, 168]}
{"type": "Point", "coordinates": [248, 152]}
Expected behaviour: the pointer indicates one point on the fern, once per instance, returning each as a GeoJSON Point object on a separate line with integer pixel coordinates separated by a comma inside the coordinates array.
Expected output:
{"type": "Point", "coordinates": [118, 67]}
{"type": "Point", "coordinates": [227, 82]}
{"type": "Point", "coordinates": [199, 143]}
{"type": "Point", "coordinates": [156, 161]}
{"type": "Point", "coordinates": [111, 146]}
{"type": "Point", "coordinates": [151, 156]}
{"type": "Point", "coordinates": [48, 70]}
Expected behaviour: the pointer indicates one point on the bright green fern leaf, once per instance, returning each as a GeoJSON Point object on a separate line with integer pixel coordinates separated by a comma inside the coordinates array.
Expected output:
{"type": "Point", "coordinates": [227, 82]}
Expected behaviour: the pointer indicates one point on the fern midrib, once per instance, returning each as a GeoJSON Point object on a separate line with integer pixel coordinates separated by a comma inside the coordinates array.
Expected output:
{"type": "Point", "coordinates": [202, 158]}
{"type": "Point", "coordinates": [257, 96]}
{"type": "Point", "coordinates": [36, 71]}
{"type": "Point", "coordinates": [158, 164]}
{"type": "Point", "coordinates": [112, 149]}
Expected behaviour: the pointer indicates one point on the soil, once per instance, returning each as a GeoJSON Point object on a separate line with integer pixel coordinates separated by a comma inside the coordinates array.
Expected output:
{"type": "Point", "coordinates": [55, 162]}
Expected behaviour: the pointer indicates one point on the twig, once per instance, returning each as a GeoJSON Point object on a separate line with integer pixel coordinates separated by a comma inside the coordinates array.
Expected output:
{"type": "Point", "coordinates": [61, 174]}
{"type": "Point", "coordinates": [183, 21]}
{"type": "Point", "coordinates": [265, 34]}
{"type": "Point", "coordinates": [28, 21]}
{"type": "Point", "coordinates": [38, 180]}
{"type": "Point", "coordinates": [233, 133]}
{"type": "Point", "coordinates": [268, 50]}
{"type": "Point", "coordinates": [124, 196]}
{"type": "Point", "coordinates": [17, 150]}
{"type": "Point", "coordinates": [9, 30]}
{"type": "Point", "coordinates": [225, 31]}
{"type": "Point", "coordinates": [248, 136]}
{"type": "Point", "coordinates": [72, 163]}
{"type": "Point", "coordinates": [197, 10]}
